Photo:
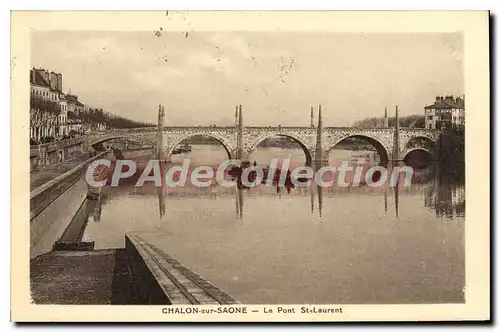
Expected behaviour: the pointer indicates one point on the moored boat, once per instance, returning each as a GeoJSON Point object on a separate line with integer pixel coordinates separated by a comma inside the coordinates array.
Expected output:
{"type": "Point", "coordinates": [100, 174]}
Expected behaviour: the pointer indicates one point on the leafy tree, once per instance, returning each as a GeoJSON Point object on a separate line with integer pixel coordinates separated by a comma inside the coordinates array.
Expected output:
{"type": "Point", "coordinates": [410, 121]}
{"type": "Point", "coordinates": [93, 117]}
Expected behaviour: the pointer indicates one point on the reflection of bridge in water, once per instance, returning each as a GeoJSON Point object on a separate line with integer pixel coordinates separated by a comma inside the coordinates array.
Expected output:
{"type": "Point", "coordinates": [239, 141]}
{"type": "Point", "coordinates": [445, 197]}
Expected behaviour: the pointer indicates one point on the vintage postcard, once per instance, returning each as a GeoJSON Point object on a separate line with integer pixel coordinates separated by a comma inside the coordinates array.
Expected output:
{"type": "Point", "coordinates": [198, 166]}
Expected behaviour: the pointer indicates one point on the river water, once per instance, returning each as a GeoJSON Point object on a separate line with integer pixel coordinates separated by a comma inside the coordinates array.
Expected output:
{"type": "Point", "coordinates": [311, 245]}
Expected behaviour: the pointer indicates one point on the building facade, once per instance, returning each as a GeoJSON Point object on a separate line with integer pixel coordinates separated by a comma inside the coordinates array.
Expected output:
{"type": "Point", "coordinates": [63, 116]}
{"type": "Point", "coordinates": [46, 119]}
{"type": "Point", "coordinates": [446, 114]}
{"type": "Point", "coordinates": [54, 114]}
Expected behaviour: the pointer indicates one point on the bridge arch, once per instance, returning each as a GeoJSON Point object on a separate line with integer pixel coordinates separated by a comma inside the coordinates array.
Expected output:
{"type": "Point", "coordinates": [380, 147]}
{"type": "Point", "coordinates": [256, 142]}
{"type": "Point", "coordinates": [121, 138]}
{"type": "Point", "coordinates": [223, 142]}
{"type": "Point", "coordinates": [407, 152]}
{"type": "Point", "coordinates": [422, 159]}
{"type": "Point", "coordinates": [423, 142]}
{"type": "Point", "coordinates": [422, 146]}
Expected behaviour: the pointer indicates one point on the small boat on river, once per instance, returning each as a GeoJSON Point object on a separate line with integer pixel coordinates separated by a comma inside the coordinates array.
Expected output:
{"type": "Point", "coordinates": [101, 173]}
{"type": "Point", "coordinates": [185, 148]}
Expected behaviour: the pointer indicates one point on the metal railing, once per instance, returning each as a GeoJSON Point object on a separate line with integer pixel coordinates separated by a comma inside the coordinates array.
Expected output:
{"type": "Point", "coordinates": [55, 145]}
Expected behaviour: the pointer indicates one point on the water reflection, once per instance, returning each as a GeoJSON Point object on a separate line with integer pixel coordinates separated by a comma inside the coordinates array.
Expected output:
{"type": "Point", "coordinates": [446, 195]}
{"type": "Point", "coordinates": [385, 198]}
{"type": "Point", "coordinates": [396, 197]}
{"type": "Point", "coordinates": [162, 207]}
{"type": "Point", "coordinates": [239, 204]}
{"type": "Point", "coordinates": [91, 209]}
{"type": "Point", "coordinates": [316, 192]}
{"type": "Point", "coordinates": [94, 209]}
{"type": "Point", "coordinates": [442, 192]}
{"type": "Point", "coordinates": [335, 245]}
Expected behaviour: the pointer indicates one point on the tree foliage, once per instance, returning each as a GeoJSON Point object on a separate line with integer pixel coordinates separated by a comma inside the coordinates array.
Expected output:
{"type": "Point", "coordinates": [95, 116]}
{"type": "Point", "coordinates": [38, 103]}
{"type": "Point", "coordinates": [410, 121]}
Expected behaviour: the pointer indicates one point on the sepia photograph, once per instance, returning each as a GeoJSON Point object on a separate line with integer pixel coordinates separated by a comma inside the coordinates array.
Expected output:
{"type": "Point", "coordinates": [251, 166]}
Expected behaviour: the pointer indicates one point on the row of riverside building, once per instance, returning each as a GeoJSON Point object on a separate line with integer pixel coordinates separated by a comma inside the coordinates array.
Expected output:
{"type": "Point", "coordinates": [53, 113]}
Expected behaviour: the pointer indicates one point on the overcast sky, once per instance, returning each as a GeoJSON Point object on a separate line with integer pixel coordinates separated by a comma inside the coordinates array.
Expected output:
{"type": "Point", "coordinates": [276, 76]}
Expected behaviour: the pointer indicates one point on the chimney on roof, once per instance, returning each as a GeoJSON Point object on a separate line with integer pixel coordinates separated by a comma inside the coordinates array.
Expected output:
{"type": "Point", "coordinates": [437, 98]}
{"type": "Point", "coordinates": [59, 82]}
{"type": "Point", "coordinates": [45, 75]}
{"type": "Point", "coordinates": [53, 80]}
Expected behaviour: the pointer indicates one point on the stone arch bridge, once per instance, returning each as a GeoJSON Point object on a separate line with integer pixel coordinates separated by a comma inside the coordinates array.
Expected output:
{"type": "Point", "coordinates": [316, 142]}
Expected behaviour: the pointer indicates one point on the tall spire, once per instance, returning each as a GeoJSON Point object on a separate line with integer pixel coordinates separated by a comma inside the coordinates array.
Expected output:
{"type": "Point", "coordinates": [159, 133]}
{"type": "Point", "coordinates": [320, 119]}
{"type": "Point", "coordinates": [397, 118]}
{"type": "Point", "coordinates": [319, 150]}
{"type": "Point", "coordinates": [236, 116]}
{"type": "Point", "coordinates": [312, 117]}
{"type": "Point", "coordinates": [240, 135]}
{"type": "Point", "coordinates": [240, 117]}
{"type": "Point", "coordinates": [395, 154]}
{"type": "Point", "coordinates": [386, 119]}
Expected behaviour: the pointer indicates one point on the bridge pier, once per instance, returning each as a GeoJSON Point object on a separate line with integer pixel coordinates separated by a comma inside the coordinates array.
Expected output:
{"type": "Point", "coordinates": [320, 154]}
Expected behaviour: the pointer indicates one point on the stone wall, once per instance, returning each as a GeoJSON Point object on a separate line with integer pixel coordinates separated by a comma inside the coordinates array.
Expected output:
{"type": "Point", "coordinates": [44, 195]}
{"type": "Point", "coordinates": [160, 279]}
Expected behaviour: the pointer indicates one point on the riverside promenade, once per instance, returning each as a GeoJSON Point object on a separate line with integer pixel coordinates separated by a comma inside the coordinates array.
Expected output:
{"type": "Point", "coordinates": [41, 176]}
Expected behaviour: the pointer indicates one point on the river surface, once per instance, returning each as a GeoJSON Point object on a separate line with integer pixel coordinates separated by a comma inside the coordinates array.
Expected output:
{"type": "Point", "coordinates": [310, 245]}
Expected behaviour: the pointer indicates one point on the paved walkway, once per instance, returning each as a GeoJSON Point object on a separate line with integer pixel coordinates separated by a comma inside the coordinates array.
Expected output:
{"type": "Point", "coordinates": [37, 178]}
{"type": "Point", "coordinates": [83, 277]}
{"type": "Point", "coordinates": [47, 227]}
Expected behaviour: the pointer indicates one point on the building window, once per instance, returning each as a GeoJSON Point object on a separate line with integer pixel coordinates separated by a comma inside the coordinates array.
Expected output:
{"type": "Point", "coordinates": [430, 117]}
